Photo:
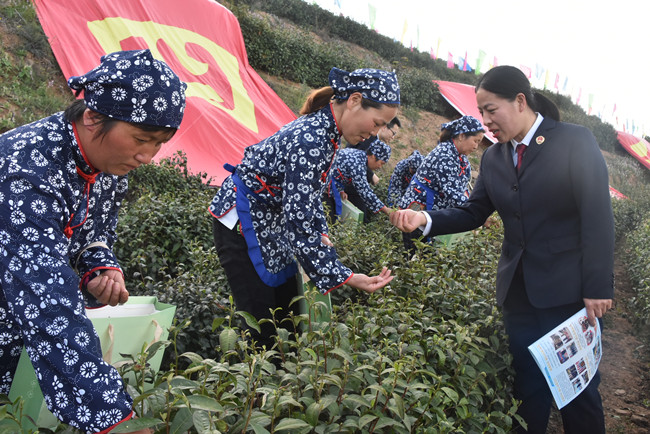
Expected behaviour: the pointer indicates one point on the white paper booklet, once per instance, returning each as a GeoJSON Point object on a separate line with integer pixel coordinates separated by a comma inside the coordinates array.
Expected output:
{"type": "Point", "coordinates": [568, 356]}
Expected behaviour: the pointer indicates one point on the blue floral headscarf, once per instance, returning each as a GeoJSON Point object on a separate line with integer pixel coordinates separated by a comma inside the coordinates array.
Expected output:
{"type": "Point", "coordinates": [134, 87]}
{"type": "Point", "coordinates": [373, 84]}
{"type": "Point", "coordinates": [380, 150]}
{"type": "Point", "coordinates": [466, 124]}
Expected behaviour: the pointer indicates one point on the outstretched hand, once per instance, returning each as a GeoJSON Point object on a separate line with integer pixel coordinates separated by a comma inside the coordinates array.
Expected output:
{"type": "Point", "coordinates": [109, 288]}
{"type": "Point", "coordinates": [371, 284]}
{"type": "Point", "coordinates": [407, 220]}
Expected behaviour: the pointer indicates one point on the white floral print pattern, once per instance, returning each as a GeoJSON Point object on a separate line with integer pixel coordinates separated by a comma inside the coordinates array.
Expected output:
{"type": "Point", "coordinates": [446, 172]}
{"type": "Point", "coordinates": [289, 172]}
{"type": "Point", "coordinates": [40, 301]}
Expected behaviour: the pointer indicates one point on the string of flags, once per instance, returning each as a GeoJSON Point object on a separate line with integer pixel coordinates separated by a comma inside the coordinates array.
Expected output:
{"type": "Point", "coordinates": [539, 76]}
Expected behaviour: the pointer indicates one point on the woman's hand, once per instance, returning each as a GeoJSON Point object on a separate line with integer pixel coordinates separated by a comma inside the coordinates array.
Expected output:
{"type": "Point", "coordinates": [596, 308]}
{"type": "Point", "coordinates": [371, 283]}
{"type": "Point", "coordinates": [325, 240]}
{"type": "Point", "coordinates": [344, 195]}
{"type": "Point", "coordinates": [407, 220]}
{"type": "Point", "coordinates": [109, 288]}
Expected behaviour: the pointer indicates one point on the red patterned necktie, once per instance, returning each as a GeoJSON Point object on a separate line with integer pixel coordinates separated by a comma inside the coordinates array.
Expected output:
{"type": "Point", "coordinates": [521, 148]}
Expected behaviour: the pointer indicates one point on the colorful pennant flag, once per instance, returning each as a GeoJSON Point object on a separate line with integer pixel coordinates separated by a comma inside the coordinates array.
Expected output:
{"type": "Point", "coordinates": [450, 60]}
{"type": "Point", "coordinates": [479, 61]}
{"type": "Point", "coordinates": [372, 15]}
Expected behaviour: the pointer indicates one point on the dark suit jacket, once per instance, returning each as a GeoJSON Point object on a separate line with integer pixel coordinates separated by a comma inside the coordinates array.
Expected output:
{"type": "Point", "coordinates": [556, 212]}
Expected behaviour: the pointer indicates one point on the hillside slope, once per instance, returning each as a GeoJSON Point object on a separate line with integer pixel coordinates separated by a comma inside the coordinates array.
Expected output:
{"type": "Point", "coordinates": [625, 365]}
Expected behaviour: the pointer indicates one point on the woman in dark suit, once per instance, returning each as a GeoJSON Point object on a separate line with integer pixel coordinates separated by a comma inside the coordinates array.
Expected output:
{"type": "Point", "coordinates": [548, 181]}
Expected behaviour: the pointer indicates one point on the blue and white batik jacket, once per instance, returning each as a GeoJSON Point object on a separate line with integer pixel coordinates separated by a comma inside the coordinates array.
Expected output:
{"type": "Point", "coordinates": [441, 181]}
{"type": "Point", "coordinates": [57, 214]}
{"type": "Point", "coordinates": [283, 179]}
{"type": "Point", "coordinates": [351, 169]}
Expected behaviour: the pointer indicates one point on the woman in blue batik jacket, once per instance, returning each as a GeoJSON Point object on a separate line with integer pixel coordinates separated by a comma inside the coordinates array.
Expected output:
{"type": "Point", "coordinates": [61, 184]}
{"type": "Point", "coordinates": [401, 177]}
{"type": "Point", "coordinates": [268, 213]}
{"type": "Point", "coordinates": [442, 180]}
{"type": "Point", "coordinates": [350, 172]}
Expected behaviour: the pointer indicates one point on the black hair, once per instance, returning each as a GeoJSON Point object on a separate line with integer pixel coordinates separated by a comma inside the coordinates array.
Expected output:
{"type": "Point", "coordinates": [74, 112]}
{"type": "Point", "coordinates": [393, 122]}
{"type": "Point", "coordinates": [321, 97]}
{"type": "Point", "coordinates": [508, 82]}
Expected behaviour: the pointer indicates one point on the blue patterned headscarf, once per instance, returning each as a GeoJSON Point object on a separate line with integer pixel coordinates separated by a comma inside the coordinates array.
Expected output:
{"type": "Point", "coordinates": [134, 87]}
{"type": "Point", "coordinates": [373, 84]}
{"type": "Point", "coordinates": [380, 150]}
{"type": "Point", "coordinates": [414, 160]}
{"type": "Point", "coordinates": [466, 124]}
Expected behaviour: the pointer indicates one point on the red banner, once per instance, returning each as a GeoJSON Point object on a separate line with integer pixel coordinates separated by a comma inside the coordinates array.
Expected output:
{"type": "Point", "coordinates": [463, 98]}
{"type": "Point", "coordinates": [229, 106]}
{"type": "Point", "coordinates": [638, 148]}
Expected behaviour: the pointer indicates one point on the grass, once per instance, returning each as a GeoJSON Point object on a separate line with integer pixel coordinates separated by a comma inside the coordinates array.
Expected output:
{"type": "Point", "coordinates": [31, 83]}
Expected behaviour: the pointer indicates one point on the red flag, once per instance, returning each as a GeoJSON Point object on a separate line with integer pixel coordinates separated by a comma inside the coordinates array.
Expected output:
{"type": "Point", "coordinates": [229, 106]}
{"type": "Point", "coordinates": [463, 98]}
{"type": "Point", "coordinates": [639, 148]}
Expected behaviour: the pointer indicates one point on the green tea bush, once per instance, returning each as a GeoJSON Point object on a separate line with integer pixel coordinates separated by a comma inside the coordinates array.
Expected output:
{"type": "Point", "coordinates": [638, 266]}
{"type": "Point", "coordinates": [200, 293]}
{"type": "Point", "coordinates": [417, 88]}
{"type": "Point", "coordinates": [165, 213]}
{"type": "Point", "coordinates": [291, 52]}
{"type": "Point", "coordinates": [633, 180]}
{"type": "Point", "coordinates": [426, 354]}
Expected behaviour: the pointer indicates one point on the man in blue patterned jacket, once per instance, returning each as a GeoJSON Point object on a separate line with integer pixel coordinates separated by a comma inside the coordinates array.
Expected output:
{"type": "Point", "coordinates": [62, 180]}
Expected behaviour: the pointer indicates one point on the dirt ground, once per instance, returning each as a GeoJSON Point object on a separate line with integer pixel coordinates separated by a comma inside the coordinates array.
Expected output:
{"type": "Point", "coordinates": [625, 385]}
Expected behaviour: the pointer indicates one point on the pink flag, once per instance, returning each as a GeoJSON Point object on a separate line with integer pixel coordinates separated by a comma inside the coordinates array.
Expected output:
{"type": "Point", "coordinates": [557, 81]}
{"type": "Point", "coordinates": [450, 60]}
{"type": "Point", "coordinates": [465, 62]}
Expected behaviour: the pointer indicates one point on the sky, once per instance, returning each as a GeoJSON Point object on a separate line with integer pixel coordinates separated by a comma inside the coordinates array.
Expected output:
{"type": "Point", "coordinates": [596, 48]}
